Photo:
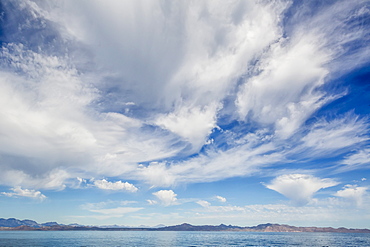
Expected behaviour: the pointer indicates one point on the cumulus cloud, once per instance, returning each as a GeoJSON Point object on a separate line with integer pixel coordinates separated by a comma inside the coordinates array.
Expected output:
{"type": "Point", "coordinates": [221, 199]}
{"type": "Point", "coordinates": [352, 193]}
{"type": "Point", "coordinates": [166, 197]}
{"type": "Point", "coordinates": [19, 192]}
{"type": "Point", "coordinates": [299, 188]}
{"type": "Point", "coordinates": [119, 185]}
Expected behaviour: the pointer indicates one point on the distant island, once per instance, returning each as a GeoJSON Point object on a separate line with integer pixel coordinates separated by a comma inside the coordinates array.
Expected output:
{"type": "Point", "coordinates": [13, 224]}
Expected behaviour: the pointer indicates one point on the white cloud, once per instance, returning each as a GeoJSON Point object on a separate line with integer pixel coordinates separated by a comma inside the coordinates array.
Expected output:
{"type": "Point", "coordinates": [116, 89]}
{"type": "Point", "coordinates": [79, 183]}
{"type": "Point", "coordinates": [116, 211]}
{"type": "Point", "coordinates": [50, 112]}
{"type": "Point", "coordinates": [358, 160]}
{"type": "Point", "coordinates": [193, 124]}
{"type": "Point", "coordinates": [322, 212]}
{"type": "Point", "coordinates": [105, 204]}
{"type": "Point", "coordinates": [339, 133]}
{"type": "Point", "coordinates": [283, 93]}
{"type": "Point", "coordinates": [352, 193]}
{"type": "Point", "coordinates": [166, 197]}
{"type": "Point", "coordinates": [204, 62]}
{"type": "Point", "coordinates": [215, 165]}
{"type": "Point", "coordinates": [342, 135]}
{"type": "Point", "coordinates": [221, 199]}
{"type": "Point", "coordinates": [346, 17]}
{"type": "Point", "coordinates": [19, 192]}
{"type": "Point", "coordinates": [285, 87]}
{"type": "Point", "coordinates": [221, 209]}
{"type": "Point", "coordinates": [328, 212]}
{"type": "Point", "coordinates": [157, 174]}
{"type": "Point", "coordinates": [152, 202]}
{"type": "Point", "coordinates": [109, 209]}
{"type": "Point", "coordinates": [204, 204]}
{"type": "Point", "coordinates": [207, 208]}
{"type": "Point", "coordinates": [119, 185]}
{"type": "Point", "coordinates": [54, 179]}
{"type": "Point", "coordinates": [300, 188]}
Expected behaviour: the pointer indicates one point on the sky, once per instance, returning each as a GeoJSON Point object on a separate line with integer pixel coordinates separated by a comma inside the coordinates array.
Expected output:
{"type": "Point", "coordinates": [206, 112]}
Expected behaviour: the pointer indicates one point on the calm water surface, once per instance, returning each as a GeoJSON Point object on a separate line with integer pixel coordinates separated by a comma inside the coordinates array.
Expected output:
{"type": "Point", "coordinates": [188, 239]}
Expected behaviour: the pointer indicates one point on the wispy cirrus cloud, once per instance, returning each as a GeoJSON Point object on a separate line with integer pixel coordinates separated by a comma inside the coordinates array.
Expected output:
{"type": "Point", "coordinates": [339, 133]}
{"type": "Point", "coordinates": [357, 160]}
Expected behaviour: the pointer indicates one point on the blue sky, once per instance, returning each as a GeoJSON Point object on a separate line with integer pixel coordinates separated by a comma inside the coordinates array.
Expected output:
{"type": "Point", "coordinates": [205, 112]}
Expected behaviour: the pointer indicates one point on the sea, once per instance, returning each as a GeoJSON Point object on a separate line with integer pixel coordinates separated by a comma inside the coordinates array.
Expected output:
{"type": "Point", "coordinates": [178, 239]}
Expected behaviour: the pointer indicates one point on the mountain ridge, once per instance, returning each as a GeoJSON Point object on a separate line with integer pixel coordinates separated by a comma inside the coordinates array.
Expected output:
{"type": "Point", "coordinates": [12, 224]}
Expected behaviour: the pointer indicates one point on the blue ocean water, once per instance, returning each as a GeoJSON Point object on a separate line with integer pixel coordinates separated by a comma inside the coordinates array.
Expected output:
{"type": "Point", "coordinates": [188, 239]}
